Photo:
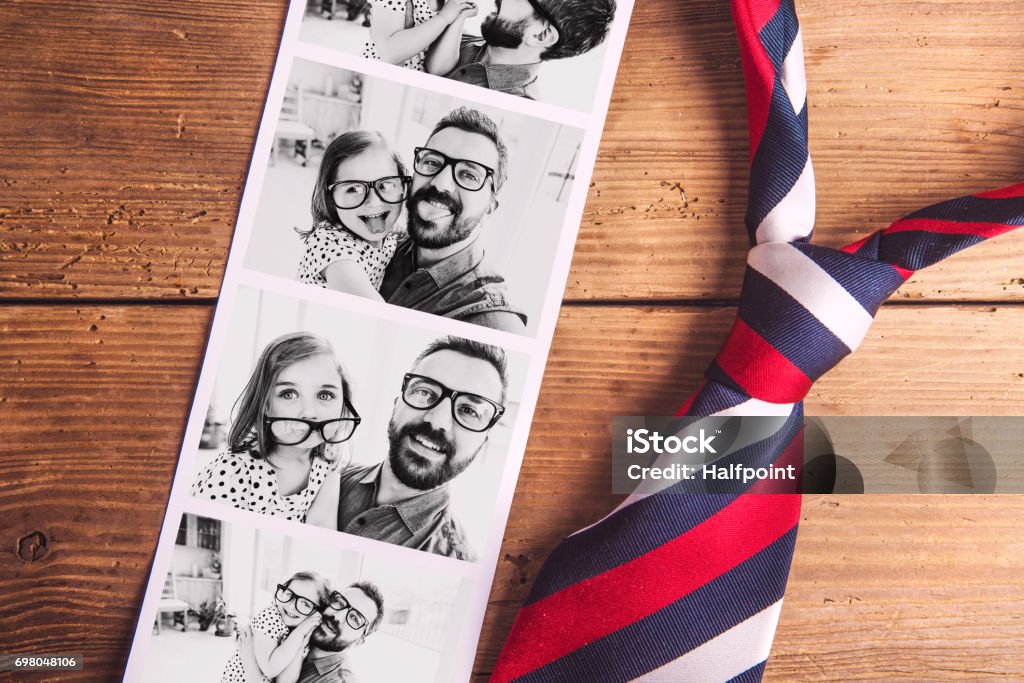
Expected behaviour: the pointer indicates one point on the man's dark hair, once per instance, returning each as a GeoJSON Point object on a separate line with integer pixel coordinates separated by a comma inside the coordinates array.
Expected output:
{"type": "Point", "coordinates": [474, 121]}
{"type": "Point", "coordinates": [467, 347]}
{"type": "Point", "coordinates": [371, 591]}
{"type": "Point", "coordinates": [582, 25]}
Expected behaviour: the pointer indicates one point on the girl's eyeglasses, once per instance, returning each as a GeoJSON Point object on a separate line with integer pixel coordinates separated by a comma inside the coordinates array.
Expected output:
{"type": "Point", "coordinates": [351, 194]}
{"type": "Point", "coordinates": [291, 431]}
{"type": "Point", "coordinates": [353, 617]}
{"type": "Point", "coordinates": [303, 606]}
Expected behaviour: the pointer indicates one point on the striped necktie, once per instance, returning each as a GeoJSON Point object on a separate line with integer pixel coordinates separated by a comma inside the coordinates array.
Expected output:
{"type": "Point", "coordinates": [689, 587]}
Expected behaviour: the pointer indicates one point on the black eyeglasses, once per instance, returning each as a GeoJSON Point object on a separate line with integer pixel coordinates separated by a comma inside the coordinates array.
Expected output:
{"type": "Point", "coordinates": [291, 431]}
{"type": "Point", "coordinates": [303, 606]}
{"type": "Point", "coordinates": [475, 413]}
{"type": "Point", "coordinates": [351, 194]}
{"type": "Point", "coordinates": [541, 12]}
{"type": "Point", "coordinates": [353, 617]}
{"type": "Point", "coordinates": [468, 174]}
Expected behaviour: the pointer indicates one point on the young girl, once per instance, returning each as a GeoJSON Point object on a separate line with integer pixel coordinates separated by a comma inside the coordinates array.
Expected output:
{"type": "Point", "coordinates": [297, 403]}
{"type": "Point", "coordinates": [414, 33]}
{"type": "Point", "coordinates": [357, 200]}
{"type": "Point", "coordinates": [280, 632]}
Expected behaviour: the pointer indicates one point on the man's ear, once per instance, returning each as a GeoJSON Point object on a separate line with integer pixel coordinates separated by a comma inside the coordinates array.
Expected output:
{"type": "Point", "coordinates": [547, 36]}
{"type": "Point", "coordinates": [493, 205]}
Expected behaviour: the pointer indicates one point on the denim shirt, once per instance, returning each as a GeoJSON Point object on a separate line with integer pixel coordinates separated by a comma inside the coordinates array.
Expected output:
{"type": "Point", "coordinates": [420, 522]}
{"type": "Point", "coordinates": [514, 79]}
{"type": "Point", "coordinates": [460, 286]}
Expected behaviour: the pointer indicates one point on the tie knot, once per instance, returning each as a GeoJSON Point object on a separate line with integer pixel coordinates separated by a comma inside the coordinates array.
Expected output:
{"type": "Point", "coordinates": [803, 309]}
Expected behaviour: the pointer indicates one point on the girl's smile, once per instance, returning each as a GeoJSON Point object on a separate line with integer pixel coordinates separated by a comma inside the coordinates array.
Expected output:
{"type": "Point", "coordinates": [375, 217]}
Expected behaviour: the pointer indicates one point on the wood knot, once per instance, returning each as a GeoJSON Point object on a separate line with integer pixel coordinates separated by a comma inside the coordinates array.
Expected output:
{"type": "Point", "coordinates": [33, 546]}
{"type": "Point", "coordinates": [521, 563]}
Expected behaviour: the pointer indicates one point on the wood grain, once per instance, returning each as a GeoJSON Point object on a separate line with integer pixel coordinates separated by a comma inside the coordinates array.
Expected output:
{"type": "Point", "coordinates": [129, 130]}
{"type": "Point", "coordinates": [95, 398]}
{"type": "Point", "coordinates": [127, 134]}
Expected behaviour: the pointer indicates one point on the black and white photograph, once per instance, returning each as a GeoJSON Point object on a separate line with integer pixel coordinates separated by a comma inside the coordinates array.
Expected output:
{"type": "Point", "coordinates": [546, 50]}
{"type": "Point", "coordinates": [414, 198]}
{"type": "Point", "coordinates": [360, 425]}
{"type": "Point", "coordinates": [246, 605]}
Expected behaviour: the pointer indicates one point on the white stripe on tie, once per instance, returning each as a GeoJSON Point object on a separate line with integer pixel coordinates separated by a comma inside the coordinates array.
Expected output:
{"type": "Point", "coordinates": [814, 289]}
{"type": "Point", "coordinates": [725, 656]}
{"type": "Point", "coordinates": [792, 218]}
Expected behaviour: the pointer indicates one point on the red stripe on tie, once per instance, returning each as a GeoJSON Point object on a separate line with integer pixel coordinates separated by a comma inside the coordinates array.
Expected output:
{"type": "Point", "coordinates": [854, 246]}
{"type": "Point", "coordinates": [758, 72]}
{"type": "Point", "coordinates": [986, 230]}
{"type": "Point", "coordinates": [759, 368]}
{"type": "Point", "coordinates": [1004, 192]}
{"type": "Point", "coordinates": [589, 610]}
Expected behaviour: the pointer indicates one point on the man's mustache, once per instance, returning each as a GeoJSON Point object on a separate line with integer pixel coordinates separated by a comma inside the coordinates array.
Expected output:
{"type": "Point", "coordinates": [432, 194]}
{"type": "Point", "coordinates": [330, 624]}
{"type": "Point", "coordinates": [433, 435]}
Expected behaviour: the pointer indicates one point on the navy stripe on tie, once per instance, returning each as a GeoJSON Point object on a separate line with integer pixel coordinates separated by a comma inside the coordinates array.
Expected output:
{"type": "Point", "coordinates": [751, 675]}
{"type": "Point", "coordinates": [779, 160]}
{"type": "Point", "coordinates": [975, 210]}
{"type": "Point", "coordinates": [664, 636]}
{"type": "Point", "coordinates": [915, 249]}
{"type": "Point", "coordinates": [780, 319]}
{"type": "Point", "coordinates": [868, 281]}
{"type": "Point", "coordinates": [649, 523]}
{"type": "Point", "coordinates": [638, 529]}
{"type": "Point", "coordinates": [714, 398]}
{"type": "Point", "coordinates": [778, 34]}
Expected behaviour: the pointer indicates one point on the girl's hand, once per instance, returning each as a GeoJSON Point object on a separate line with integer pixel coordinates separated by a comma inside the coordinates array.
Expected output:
{"type": "Point", "coordinates": [454, 10]}
{"type": "Point", "coordinates": [309, 624]}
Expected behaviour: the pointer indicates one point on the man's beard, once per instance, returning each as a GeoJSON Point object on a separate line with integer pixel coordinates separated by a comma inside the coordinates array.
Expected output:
{"type": "Point", "coordinates": [416, 471]}
{"type": "Point", "coordinates": [326, 639]}
{"type": "Point", "coordinates": [498, 32]}
{"type": "Point", "coordinates": [425, 233]}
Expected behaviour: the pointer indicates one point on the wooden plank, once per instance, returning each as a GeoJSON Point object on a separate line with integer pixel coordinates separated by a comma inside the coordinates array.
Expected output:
{"type": "Point", "coordinates": [127, 137]}
{"type": "Point", "coordinates": [94, 399]}
{"type": "Point", "coordinates": [128, 131]}
{"type": "Point", "coordinates": [909, 104]}
{"type": "Point", "coordinates": [94, 402]}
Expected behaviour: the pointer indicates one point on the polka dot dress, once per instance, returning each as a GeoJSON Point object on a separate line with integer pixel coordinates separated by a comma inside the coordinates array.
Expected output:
{"type": "Point", "coordinates": [328, 244]}
{"type": "Point", "coordinates": [422, 12]}
{"type": "Point", "coordinates": [268, 622]}
{"type": "Point", "coordinates": [250, 483]}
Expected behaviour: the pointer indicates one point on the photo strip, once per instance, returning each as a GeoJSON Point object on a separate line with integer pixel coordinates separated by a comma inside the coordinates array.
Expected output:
{"type": "Point", "coordinates": [302, 609]}
{"type": "Point", "coordinates": [546, 50]}
{"type": "Point", "coordinates": [355, 424]}
{"type": "Point", "coordinates": [376, 354]}
{"type": "Point", "coordinates": [413, 197]}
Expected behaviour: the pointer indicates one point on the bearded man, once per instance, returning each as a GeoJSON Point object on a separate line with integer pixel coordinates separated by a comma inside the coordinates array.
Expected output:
{"type": "Point", "coordinates": [520, 35]}
{"type": "Point", "coordinates": [440, 267]}
{"type": "Point", "coordinates": [450, 399]}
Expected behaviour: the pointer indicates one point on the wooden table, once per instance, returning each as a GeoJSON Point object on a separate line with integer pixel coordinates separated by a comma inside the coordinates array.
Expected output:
{"type": "Point", "coordinates": [125, 138]}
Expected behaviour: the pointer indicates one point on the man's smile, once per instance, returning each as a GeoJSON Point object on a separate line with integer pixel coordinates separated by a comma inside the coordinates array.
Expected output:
{"type": "Point", "coordinates": [427, 447]}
